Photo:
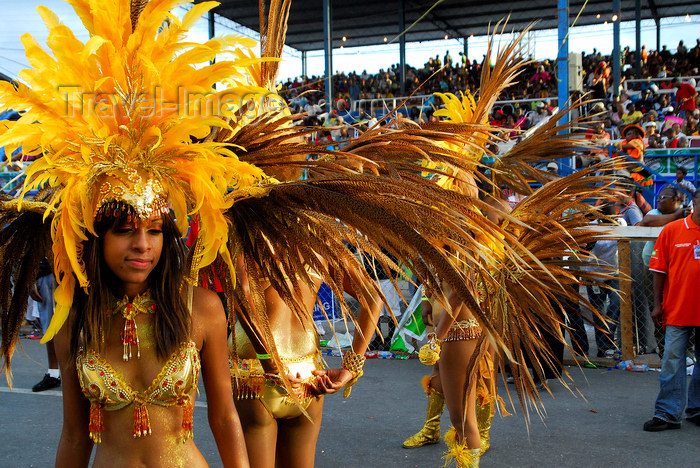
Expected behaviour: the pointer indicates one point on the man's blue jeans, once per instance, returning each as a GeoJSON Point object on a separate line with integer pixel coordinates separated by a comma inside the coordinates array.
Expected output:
{"type": "Point", "coordinates": [673, 390]}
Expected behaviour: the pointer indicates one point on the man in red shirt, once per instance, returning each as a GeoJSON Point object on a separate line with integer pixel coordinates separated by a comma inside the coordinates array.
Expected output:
{"type": "Point", "coordinates": [685, 97]}
{"type": "Point", "coordinates": [675, 262]}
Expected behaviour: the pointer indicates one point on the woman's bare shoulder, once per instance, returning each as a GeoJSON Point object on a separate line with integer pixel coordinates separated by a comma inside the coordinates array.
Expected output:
{"type": "Point", "coordinates": [206, 303]}
{"type": "Point", "coordinates": [207, 314]}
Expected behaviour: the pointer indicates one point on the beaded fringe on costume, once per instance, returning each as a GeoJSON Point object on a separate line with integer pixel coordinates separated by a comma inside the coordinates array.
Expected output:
{"type": "Point", "coordinates": [142, 423]}
{"type": "Point", "coordinates": [464, 330]}
{"type": "Point", "coordinates": [96, 425]}
{"type": "Point", "coordinates": [250, 387]}
{"type": "Point", "coordinates": [187, 421]}
{"type": "Point", "coordinates": [130, 337]}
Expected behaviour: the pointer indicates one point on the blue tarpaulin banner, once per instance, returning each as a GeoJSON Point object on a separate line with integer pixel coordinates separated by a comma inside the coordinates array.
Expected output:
{"type": "Point", "coordinates": [326, 298]}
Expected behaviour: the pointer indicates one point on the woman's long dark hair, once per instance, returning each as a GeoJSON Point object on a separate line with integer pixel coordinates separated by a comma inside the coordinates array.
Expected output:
{"type": "Point", "coordinates": [171, 321]}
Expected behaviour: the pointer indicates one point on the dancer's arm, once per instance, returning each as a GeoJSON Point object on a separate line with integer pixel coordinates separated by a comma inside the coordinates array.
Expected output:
{"type": "Point", "coordinates": [75, 446]}
{"type": "Point", "coordinates": [209, 321]}
{"type": "Point", "coordinates": [448, 317]}
{"type": "Point", "coordinates": [332, 380]}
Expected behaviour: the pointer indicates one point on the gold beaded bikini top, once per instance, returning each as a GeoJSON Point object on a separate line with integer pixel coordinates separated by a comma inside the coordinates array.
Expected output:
{"type": "Point", "coordinates": [107, 390]}
{"type": "Point", "coordinates": [101, 383]}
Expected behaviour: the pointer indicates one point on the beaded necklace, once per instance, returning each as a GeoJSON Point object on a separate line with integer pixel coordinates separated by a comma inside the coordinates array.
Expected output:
{"type": "Point", "coordinates": [142, 304]}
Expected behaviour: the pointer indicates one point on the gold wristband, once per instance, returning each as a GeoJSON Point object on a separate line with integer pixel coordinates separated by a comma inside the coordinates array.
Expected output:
{"type": "Point", "coordinates": [353, 362]}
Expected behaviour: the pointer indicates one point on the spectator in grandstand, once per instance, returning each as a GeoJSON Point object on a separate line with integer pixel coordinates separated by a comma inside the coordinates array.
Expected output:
{"type": "Point", "coordinates": [540, 114]}
{"type": "Point", "coordinates": [541, 81]}
{"type": "Point", "coordinates": [689, 123]}
{"type": "Point", "coordinates": [663, 106]}
{"type": "Point", "coordinates": [676, 126]}
{"type": "Point", "coordinates": [626, 206]}
{"type": "Point", "coordinates": [671, 136]}
{"type": "Point", "coordinates": [654, 142]}
{"type": "Point", "coordinates": [599, 137]}
{"type": "Point", "coordinates": [463, 60]}
{"type": "Point", "coordinates": [645, 102]}
{"type": "Point", "coordinates": [644, 54]}
{"type": "Point", "coordinates": [633, 147]}
{"type": "Point", "coordinates": [650, 116]}
{"type": "Point", "coordinates": [685, 185]}
{"type": "Point", "coordinates": [616, 116]}
{"type": "Point", "coordinates": [683, 142]}
{"type": "Point", "coordinates": [447, 59]}
{"type": "Point", "coordinates": [611, 128]}
{"type": "Point", "coordinates": [649, 130]}
{"type": "Point", "coordinates": [685, 96]}
{"type": "Point", "coordinates": [631, 116]}
{"type": "Point", "coordinates": [511, 123]}
{"type": "Point", "coordinates": [599, 85]}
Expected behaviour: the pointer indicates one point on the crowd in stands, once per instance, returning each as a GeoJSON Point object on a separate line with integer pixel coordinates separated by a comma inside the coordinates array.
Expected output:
{"type": "Point", "coordinates": [666, 107]}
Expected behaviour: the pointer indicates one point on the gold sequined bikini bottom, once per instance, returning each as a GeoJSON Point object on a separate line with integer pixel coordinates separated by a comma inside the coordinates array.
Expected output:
{"type": "Point", "coordinates": [252, 383]}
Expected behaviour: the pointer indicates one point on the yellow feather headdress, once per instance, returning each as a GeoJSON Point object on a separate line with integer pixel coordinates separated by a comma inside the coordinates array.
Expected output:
{"type": "Point", "coordinates": [124, 117]}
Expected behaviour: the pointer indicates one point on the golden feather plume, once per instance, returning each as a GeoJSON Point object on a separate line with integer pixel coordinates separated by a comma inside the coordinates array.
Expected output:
{"type": "Point", "coordinates": [272, 37]}
{"type": "Point", "coordinates": [136, 111]}
{"type": "Point", "coordinates": [20, 255]}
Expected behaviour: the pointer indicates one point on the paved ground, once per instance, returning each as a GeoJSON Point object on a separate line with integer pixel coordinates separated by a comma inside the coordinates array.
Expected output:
{"type": "Point", "coordinates": [597, 425]}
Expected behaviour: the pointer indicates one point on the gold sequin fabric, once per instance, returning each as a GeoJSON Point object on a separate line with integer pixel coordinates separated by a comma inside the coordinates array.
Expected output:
{"type": "Point", "coordinates": [252, 383]}
{"type": "Point", "coordinates": [464, 330]}
{"type": "Point", "coordinates": [106, 388]}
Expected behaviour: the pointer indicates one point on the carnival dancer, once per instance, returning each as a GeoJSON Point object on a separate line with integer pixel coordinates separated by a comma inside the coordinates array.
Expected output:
{"type": "Point", "coordinates": [116, 184]}
{"type": "Point", "coordinates": [457, 340]}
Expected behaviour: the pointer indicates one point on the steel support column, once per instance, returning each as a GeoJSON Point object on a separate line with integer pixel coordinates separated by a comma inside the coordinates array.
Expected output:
{"type": "Point", "coordinates": [212, 31]}
{"type": "Point", "coordinates": [303, 63]}
{"type": "Point", "coordinates": [638, 38]}
{"type": "Point", "coordinates": [328, 48]}
{"type": "Point", "coordinates": [563, 56]}
{"type": "Point", "coordinates": [658, 34]}
{"type": "Point", "coordinates": [466, 47]}
{"type": "Point", "coordinates": [616, 48]}
{"type": "Point", "coordinates": [402, 45]}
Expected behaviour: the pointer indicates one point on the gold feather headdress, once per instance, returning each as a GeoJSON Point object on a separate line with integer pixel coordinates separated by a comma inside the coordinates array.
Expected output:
{"type": "Point", "coordinates": [124, 117]}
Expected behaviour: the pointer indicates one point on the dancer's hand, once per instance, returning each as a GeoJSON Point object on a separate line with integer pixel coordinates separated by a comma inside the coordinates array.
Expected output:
{"type": "Point", "coordinates": [294, 380]}
{"type": "Point", "coordinates": [330, 380]}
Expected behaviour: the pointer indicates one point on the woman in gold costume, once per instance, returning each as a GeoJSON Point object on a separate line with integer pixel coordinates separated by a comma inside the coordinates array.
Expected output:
{"type": "Point", "coordinates": [441, 387]}
{"type": "Point", "coordinates": [116, 181]}
{"type": "Point", "coordinates": [502, 275]}
{"type": "Point", "coordinates": [139, 410]}
{"type": "Point", "coordinates": [281, 426]}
